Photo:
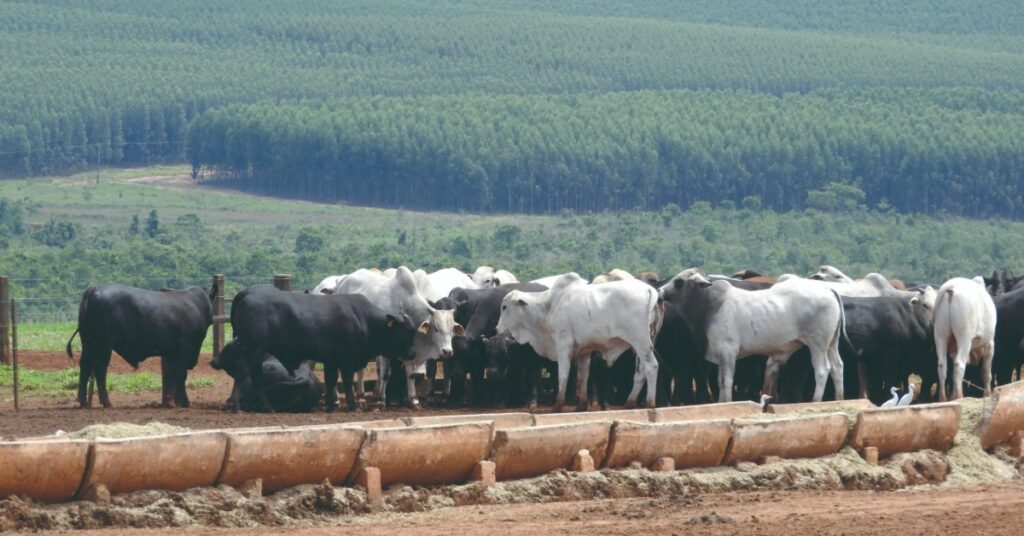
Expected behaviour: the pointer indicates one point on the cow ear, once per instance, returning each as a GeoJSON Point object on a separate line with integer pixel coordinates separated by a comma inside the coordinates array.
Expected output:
{"type": "Point", "coordinates": [914, 301]}
{"type": "Point", "coordinates": [520, 301]}
{"type": "Point", "coordinates": [391, 321]}
{"type": "Point", "coordinates": [424, 328]}
{"type": "Point", "coordinates": [704, 284]}
{"type": "Point", "coordinates": [486, 339]}
{"type": "Point", "coordinates": [678, 283]}
{"type": "Point", "coordinates": [457, 330]}
{"type": "Point", "coordinates": [497, 282]}
{"type": "Point", "coordinates": [327, 291]}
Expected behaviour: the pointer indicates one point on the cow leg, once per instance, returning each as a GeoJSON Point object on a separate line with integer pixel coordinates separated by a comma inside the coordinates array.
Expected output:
{"type": "Point", "coordinates": [412, 398]}
{"type": "Point", "coordinates": [835, 367]}
{"type": "Point", "coordinates": [84, 374]}
{"type": "Point", "coordinates": [862, 377]}
{"type": "Point", "coordinates": [986, 368]}
{"type": "Point", "coordinates": [180, 394]}
{"type": "Point", "coordinates": [582, 379]}
{"type": "Point", "coordinates": [820, 365]}
{"type": "Point", "coordinates": [772, 369]}
{"type": "Point", "coordinates": [726, 372]}
{"type": "Point", "coordinates": [100, 372]}
{"type": "Point", "coordinates": [331, 388]}
{"type": "Point", "coordinates": [167, 381]}
{"type": "Point", "coordinates": [649, 363]}
{"type": "Point", "coordinates": [941, 350]}
{"type": "Point", "coordinates": [564, 364]}
{"type": "Point", "coordinates": [383, 376]}
{"type": "Point", "coordinates": [360, 388]}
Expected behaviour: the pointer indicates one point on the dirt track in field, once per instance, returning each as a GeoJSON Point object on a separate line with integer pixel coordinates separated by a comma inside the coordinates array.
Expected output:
{"type": "Point", "coordinates": [987, 509]}
{"type": "Point", "coordinates": [41, 416]}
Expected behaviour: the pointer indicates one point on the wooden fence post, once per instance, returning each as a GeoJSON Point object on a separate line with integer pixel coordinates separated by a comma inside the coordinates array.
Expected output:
{"type": "Point", "coordinates": [218, 313]}
{"type": "Point", "coordinates": [283, 282]}
{"type": "Point", "coordinates": [14, 351]}
{"type": "Point", "coordinates": [5, 321]}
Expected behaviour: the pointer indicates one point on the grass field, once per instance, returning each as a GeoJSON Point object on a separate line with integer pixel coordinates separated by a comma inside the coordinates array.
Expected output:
{"type": "Point", "coordinates": [65, 382]}
{"type": "Point", "coordinates": [53, 336]}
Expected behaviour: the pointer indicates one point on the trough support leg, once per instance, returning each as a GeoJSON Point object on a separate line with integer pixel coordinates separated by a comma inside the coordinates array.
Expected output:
{"type": "Point", "coordinates": [871, 455]}
{"type": "Point", "coordinates": [583, 462]}
{"type": "Point", "coordinates": [369, 478]}
{"type": "Point", "coordinates": [664, 465]}
{"type": "Point", "coordinates": [96, 493]}
{"type": "Point", "coordinates": [483, 472]}
{"type": "Point", "coordinates": [1017, 444]}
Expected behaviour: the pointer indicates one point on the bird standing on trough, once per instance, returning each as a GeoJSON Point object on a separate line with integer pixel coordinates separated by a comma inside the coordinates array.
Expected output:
{"type": "Point", "coordinates": [907, 398]}
{"type": "Point", "coordinates": [764, 403]}
{"type": "Point", "coordinates": [894, 400]}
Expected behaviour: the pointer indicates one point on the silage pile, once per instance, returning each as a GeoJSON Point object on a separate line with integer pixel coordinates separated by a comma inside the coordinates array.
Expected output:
{"type": "Point", "coordinates": [121, 430]}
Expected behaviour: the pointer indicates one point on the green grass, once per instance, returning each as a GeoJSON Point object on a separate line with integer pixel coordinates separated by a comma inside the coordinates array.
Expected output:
{"type": "Point", "coordinates": [53, 336]}
{"type": "Point", "coordinates": [55, 383]}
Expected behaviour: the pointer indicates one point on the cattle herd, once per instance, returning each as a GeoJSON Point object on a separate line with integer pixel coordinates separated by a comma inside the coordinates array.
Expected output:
{"type": "Point", "coordinates": [687, 339]}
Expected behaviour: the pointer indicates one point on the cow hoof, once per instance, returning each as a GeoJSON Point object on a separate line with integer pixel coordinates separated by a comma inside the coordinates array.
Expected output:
{"type": "Point", "coordinates": [557, 408]}
{"type": "Point", "coordinates": [415, 404]}
{"type": "Point", "coordinates": [630, 404]}
{"type": "Point", "coordinates": [532, 406]}
{"type": "Point", "coordinates": [331, 409]}
{"type": "Point", "coordinates": [360, 406]}
{"type": "Point", "coordinates": [582, 408]}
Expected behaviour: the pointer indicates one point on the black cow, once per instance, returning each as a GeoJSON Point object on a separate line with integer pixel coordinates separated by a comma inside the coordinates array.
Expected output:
{"type": "Point", "coordinates": [297, 391]}
{"type": "Point", "coordinates": [1002, 281]}
{"type": "Point", "coordinates": [138, 324]}
{"type": "Point", "coordinates": [342, 331]}
{"type": "Point", "coordinates": [892, 338]}
{"type": "Point", "coordinates": [478, 310]}
{"type": "Point", "coordinates": [1009, 336]}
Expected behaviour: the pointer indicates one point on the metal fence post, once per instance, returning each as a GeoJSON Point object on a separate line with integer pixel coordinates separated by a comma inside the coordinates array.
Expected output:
{"type": "Point", "coordinates": [283, 282]}
{"type": "Point", "coordinates": [5, 320]}
{"type": "Point", "coordinates": [218, 314]}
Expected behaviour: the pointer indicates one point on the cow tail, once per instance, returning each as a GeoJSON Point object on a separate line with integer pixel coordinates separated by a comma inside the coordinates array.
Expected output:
{"type": "Point", "coordinates": [71, 356]}
{"type": "Point", "coordinates": [83, 308]}
{"type": "Point", "coordinates": [841, 327]}
{"type": "Point", "coordinates": [657, 314]}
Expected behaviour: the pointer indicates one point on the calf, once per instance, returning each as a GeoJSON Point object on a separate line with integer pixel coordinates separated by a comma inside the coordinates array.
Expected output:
{"type": "Point", "coordinates": [965, 325]}
{"type": "Point", "coordinates": [342, 331]}
{"type": "Point", "coordinates": [297, 391]}
{"type": "Point", "coordinates": [138, 324]}
{"type": "Point", "coordinates": [774, 322]}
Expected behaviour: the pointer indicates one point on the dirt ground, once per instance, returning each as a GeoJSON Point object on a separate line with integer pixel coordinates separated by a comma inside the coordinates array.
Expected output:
{"type": "Point", "coordinates": [45, 415]}
{"type": "Point", "coordinates": [984, 509]}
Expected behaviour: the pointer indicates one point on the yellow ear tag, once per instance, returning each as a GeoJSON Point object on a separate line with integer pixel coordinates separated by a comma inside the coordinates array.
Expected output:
{"type": "Point", "coordinates": [390, 322]}
{"type": "Point", "coordinates": [424, 328]}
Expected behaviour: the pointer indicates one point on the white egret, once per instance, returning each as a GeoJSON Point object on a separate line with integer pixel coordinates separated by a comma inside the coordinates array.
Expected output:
{"type": "Point", "coordinates": [907, 398]}
{"type": "Point", "coordinates": [894, 400]}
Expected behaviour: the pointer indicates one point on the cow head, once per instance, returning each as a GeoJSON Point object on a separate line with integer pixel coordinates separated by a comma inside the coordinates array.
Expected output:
{"type": "Point", "coordinates": [830, 273]}
{"type": "Point", "coordinates": [399, 336]}
{"type": "Point", "coordinates": [925, 299]}
{"type": "Point", "coordinates": [434, 335]}
{"type": "Point", "coordinates": [496, 351]}
{"type": "Point", "coordinates": [673, 289]}
{"type": "Point", "coordinates": [484, 277]}
{"type": "Point", "coordinates": [520, 312]}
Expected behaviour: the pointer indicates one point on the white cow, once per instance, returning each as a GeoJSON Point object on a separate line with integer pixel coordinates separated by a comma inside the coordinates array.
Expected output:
{"type": "Point", "coordinates": [550, 280]}
{"type": "Point", "coordinates": [776, 322]}
{"type": "Point", "coordinates": [397, 295]}
{"type": "Point", "coordinates": [965, 325]}
{"type": "Point", "coordinates": [615, 274]}
{"type": "Point", "coordinates": [573, 319]}
{"type": "Point", "coordinates": [488, 277]}
{"type": "Point", "coordinates": [831, 273]}
{"type": "Point", "coordinates": [437, 285]}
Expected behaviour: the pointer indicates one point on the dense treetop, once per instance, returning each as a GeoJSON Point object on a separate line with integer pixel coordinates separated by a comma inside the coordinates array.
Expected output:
{"type": "Point", "coordinates": [915, 101]}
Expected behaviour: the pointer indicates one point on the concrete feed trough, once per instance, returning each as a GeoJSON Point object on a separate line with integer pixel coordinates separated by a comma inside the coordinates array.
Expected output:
{"type": "Point", "coordinates": [533, 451]}
{"type": "Point", "coordinates": [689, 443]}
{"type": "Point", "coordinates": [832, 405]}
{"type": "Point", "coordinates": [425, 455]}
{"type": "Point", "coordinates": [500, 420]}
{"type": "Point", "coordinates": [1003, 415]}
{"type": "Point", "coordinates": [175, 462]}
{"type": "Point", "coordinates": [725, 410]}
{"type": "Point", "coordinates": [45, 470]}
{"type": "Point", "coordinates": [289, 457]}
{"type": "Point", "coordinates": [787, 437]}
{"type": "Point", "coordinates": [633, 415]}
{"type": "Point", "coordinates": [907, 429]}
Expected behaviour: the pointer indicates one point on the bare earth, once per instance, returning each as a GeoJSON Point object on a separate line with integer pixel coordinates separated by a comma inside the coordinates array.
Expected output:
{"type": "Point", "coordinates": [987, 509]}
{"type": "Point", "coordinates": [45, 415]}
